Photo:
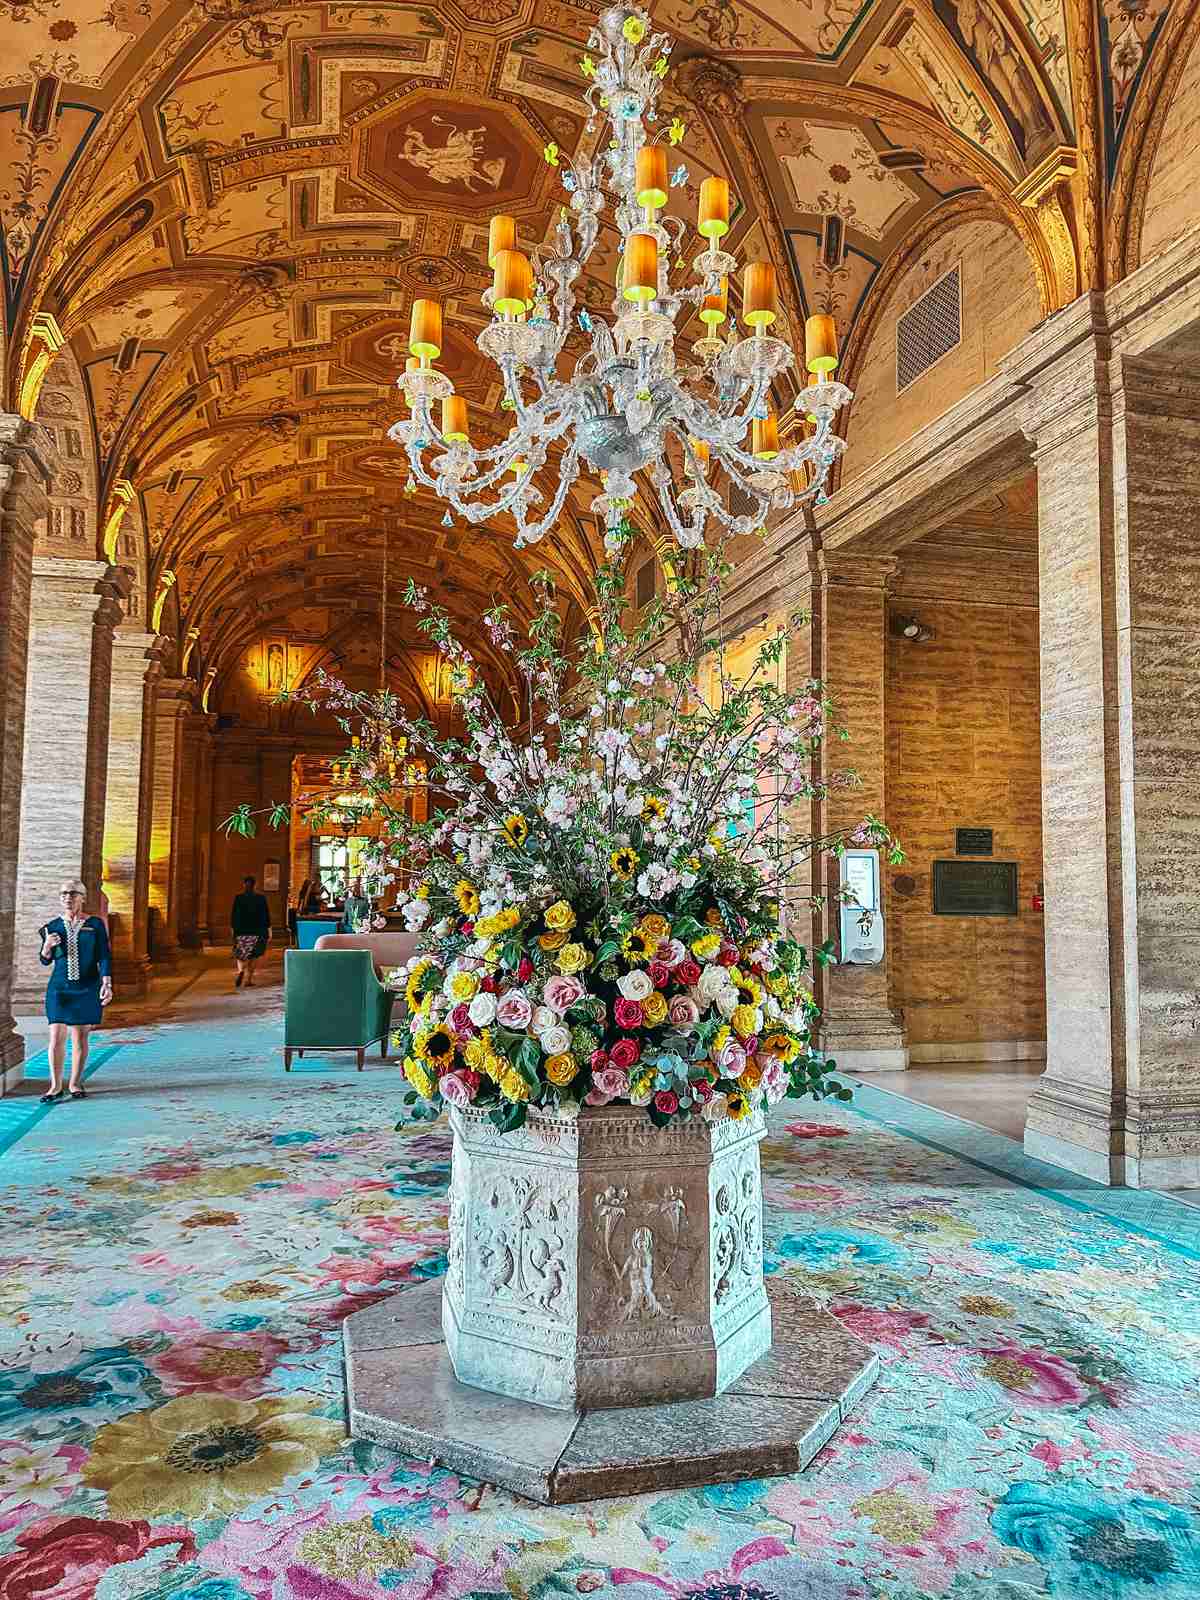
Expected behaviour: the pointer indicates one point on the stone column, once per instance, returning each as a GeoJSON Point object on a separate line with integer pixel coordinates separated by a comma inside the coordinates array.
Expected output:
{"type": "Point", "coordinates": [126, 873]}
{"type": "Point", "coordinates": [194, 827]}
{"type": "Point", "coordinates": [845, 645]}
{"type": "Point", "coordinates": [172, 703]}
{"type": "Point", "coordinates": [74, 607]}
{"type": "Point", "coordinates": [25, 471]}
{"type": "Point", "coordinates": [1118, 456]}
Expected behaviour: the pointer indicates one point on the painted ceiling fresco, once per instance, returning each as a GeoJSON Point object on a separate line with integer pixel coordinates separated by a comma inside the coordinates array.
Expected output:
{"type": "Point", "coordinates": [228, 207]}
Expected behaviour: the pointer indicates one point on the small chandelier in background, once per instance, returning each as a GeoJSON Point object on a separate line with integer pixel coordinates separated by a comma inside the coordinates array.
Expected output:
{"type": "Point", "coordinates": [629, 391]}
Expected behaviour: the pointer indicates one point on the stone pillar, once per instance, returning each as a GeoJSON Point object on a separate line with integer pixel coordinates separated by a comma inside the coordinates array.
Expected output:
{"type": "Point", "coordinates": [172, 703]}
{"type": "Point", "coordinates": [845, 645]}
{"type": "Point", "coordinates": [194, 827]}
{"type": "Point", "coordinates": [127, 816]}
{"type": "Point", "coordinates": [25, 469]}
{"type": "Point", "coordinates": [1118, 457]}
{"type": "Point", "coordinates": [74, 607]}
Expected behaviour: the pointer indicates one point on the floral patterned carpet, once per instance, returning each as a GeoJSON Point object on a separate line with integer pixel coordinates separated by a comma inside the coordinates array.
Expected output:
{"type": "Point", "coordinates": [178, 1253]}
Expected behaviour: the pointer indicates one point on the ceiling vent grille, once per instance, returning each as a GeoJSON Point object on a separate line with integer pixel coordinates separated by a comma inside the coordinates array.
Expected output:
{"type": "Point", "coordinates": [929, 329]}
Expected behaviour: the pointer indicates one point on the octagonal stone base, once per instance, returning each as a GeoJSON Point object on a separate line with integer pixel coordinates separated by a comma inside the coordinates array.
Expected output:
{"type": "Point", "coordinates": [769, 1422]}
{"type": "Point", "coordinates": [598, 1260]}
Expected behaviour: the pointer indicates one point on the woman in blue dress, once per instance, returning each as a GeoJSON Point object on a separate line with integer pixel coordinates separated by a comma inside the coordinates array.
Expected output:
{"type": "Point", "coordinates": [76, 950]}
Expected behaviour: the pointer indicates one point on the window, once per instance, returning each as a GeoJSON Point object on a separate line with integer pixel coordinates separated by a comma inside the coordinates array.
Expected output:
{"type": "Point", "coordinates": [335, 860]}
{"type": "Point", "coordinates": [643, 584]}
{"type": "Point", "coordinates": [929, 329]}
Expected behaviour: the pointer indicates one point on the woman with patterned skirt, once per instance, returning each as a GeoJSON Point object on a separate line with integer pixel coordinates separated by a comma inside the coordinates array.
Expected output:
{"type": "Point", "coordinates": [250, 919]}
{"type": "Point", "coordinates": [76, 950]}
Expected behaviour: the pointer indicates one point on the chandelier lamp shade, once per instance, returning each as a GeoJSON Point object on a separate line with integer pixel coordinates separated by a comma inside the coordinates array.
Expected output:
{"type": "Point", "coordinates": [632, 402]}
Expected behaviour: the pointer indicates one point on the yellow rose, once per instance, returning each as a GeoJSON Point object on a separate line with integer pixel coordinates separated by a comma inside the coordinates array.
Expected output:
{"type": "Point", "coordinates": [464, 985]}
{"type": "Point", "coordinates": [560, 917]}
{"type": "Point", "coordinates": [561, 1069]}
{"type": "Point", "coordinates": [751, 1075]}
{"type": "Point", "coordinates": [419, 1075]}
{"type": "Point", "coordinates": [553, 941]}
{"type": "Point", "coordinates": [573, 958]}
{"type": "Point", "coordinates": [657, 927]}
{"type": "Point", "coordinates": [654, 1009]}
{"type": "Point", "coordinates": [513, 1085]}
{"type": "Point", "coordinates": [743, 1021]}
{"type": "Point", "coordinates": [474, 1054]}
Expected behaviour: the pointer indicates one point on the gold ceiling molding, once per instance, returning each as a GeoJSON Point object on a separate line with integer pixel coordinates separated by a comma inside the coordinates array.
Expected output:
{"type": "Point", "coordinates": [46, 334]}
{"type": "Point", "coordinates": [1047, 193]}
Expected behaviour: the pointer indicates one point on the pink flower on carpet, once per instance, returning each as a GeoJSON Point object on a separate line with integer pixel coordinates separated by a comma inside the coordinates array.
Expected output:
{"type": "Point", "coordinates": [35, 1476]}
{"type": "Point", "coordinates": [894, 1328]}
{"type": "Point", "coordinates": [815, 1130]}
{"type": "Point", "coordinates": [1035, 1376]}
{"type": "Point", "coordinates": [366, 1270]}
{"type": "Point", "coordinates": [234, 1364]}
{"type": "Point", "coordinates": [64, 1558]}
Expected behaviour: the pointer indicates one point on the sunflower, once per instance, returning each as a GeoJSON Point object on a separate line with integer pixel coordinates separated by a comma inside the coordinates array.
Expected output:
{"type": "Point", "coordinates": [498, 922]}
{"type": "Point", "coordinates": [624, 863]}
{"type": "Point", "coordinates": [466, 897]}
{"type": "Point", "coordinates": [749, 990]}
{"type": "Point", "coordinates": [782, 1046]}
{"type": "Point", "coordinates": [412, 989]}
{"type": "Point", "coordinates": [739, 1106]}
{"type": "Point", "coordinates": [707, 946]}
{"type": "Point", "coordinates": [653, 806]}
{"type": "Point", "coordinates": [207, 1455]}
{"type": "Point", "coordinates": [516, 829]}
{"type": "Point", "coordinates": [638, 945]}
{"type": "Point", "coordinates": [437, 1048]}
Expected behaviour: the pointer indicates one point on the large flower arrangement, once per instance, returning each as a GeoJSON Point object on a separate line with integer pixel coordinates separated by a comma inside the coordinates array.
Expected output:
{"type": "Point", "coordinates": [603, 897]}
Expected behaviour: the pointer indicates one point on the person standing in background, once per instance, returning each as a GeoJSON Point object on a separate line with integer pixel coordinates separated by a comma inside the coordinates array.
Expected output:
{"type": "Point", "coordinates": [357, 908]}
{"type": "Point", "coordinates": [251, 921]}
{"type": "Point", "coordinates": [76, 950]}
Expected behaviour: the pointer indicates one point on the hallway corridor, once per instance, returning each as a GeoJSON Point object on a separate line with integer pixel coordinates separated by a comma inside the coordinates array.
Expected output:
{"type": "Point", "coordinates": [181, 1248]}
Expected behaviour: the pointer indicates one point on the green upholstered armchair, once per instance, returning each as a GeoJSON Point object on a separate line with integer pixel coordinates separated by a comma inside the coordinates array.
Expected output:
{"type": "Point", "coordinates": [332, 1000]}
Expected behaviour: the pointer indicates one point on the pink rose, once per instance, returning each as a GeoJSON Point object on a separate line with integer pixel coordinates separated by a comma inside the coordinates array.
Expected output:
{"type": "Point", "coordinates": [660, 974]}
{"type": "Point", "coordinates": [595, 1097]}
{"type": "Point", "coordinates": [455, 1089]}
{"type": "Point", "coordinates": [624, 1053]}
{"type": "Point", "coordinates": [628, 1014]}
{"type": "Point", "coordinates": [598, 1059]}
{"type": "Point", "coordinates": [460, 1022]}
{"type": "Point", "coordinates": [666, 1101]}
{"type": "Point", "coordinates": [683, 1011]}
{"type": "Point", "coordinates": [611, 1082]}
{"type": "Point", "coordinates": [774, 1080]}
{"type": "Point", "coordinates": [514, 1010]}
{"type": "Point", "coordinates": [671, 952]}
{"type": "Point", "coordinates": [561, 993]}
{"type": "Point", "coordinates": [732, 1060]}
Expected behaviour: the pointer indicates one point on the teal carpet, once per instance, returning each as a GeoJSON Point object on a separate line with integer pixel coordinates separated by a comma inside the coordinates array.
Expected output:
{"type": "Point", "coordinates": [179, 1250]}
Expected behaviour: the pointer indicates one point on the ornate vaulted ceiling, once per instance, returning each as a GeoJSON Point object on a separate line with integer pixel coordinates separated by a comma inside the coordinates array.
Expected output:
{"type": "Point", "coordinates": [225, 210]}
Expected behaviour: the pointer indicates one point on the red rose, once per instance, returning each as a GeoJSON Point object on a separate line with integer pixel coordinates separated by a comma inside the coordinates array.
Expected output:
{"type": "Point", "coordinates": [64, 1558]}
{"type": "Point", "coordinates": [666, 1101]}
{"type": "Point", "coordinates": [468, 928]}
{"type": "Point", "coordinates": [624, 1053]}
{"type": "Point", "coordinates": [659, 974]}
{"type": "Point", "coordinates": [490, 986]}
{"type": "Point", "coordinates": [473, 1078]}
{"type": "Point", "coordinates": [728, 955]}
{"type": "Point", "coordinates": [524, 970]}
{"type": "Point", "coordinates": [460, 1021]}
{"type": "Point", "coordinates": [702, 1090]}
{"type": "Point", "coordinates": [628, 1013]}
{"type": "Point", "coordinates": [598, 1059]}
{"type": "Point", "coordinates": [688, 972]}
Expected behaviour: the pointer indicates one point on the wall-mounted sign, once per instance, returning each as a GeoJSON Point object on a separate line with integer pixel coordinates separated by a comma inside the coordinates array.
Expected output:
{"type": "Point", "coordinates": [973, 841]}
{"type": "Point", "coordinates": [975, 888]}
{"type": "Point", "coordinates": [270, 876]}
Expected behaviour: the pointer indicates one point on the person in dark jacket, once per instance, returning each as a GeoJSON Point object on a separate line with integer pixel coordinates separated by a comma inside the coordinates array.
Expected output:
{"type": "Point", "coordinates": [76, 950]}
{"type": "Point", "coordinates": [251, 920]}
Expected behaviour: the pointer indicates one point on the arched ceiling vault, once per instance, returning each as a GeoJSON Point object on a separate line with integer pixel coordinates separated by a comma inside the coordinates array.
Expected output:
{"type": "Point", "coordinates": [226, 208]}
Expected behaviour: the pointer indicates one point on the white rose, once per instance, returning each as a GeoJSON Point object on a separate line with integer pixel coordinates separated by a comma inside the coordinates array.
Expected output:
{"type": "Point", "coordinates": [543, 1018]}
{"type": "Point", "coordinates": [636, 985]}
{"type": "Point", "coordinates": [727, 1002]}
{"type": "Point", "coordinates": [717, 1109]}
{"type": "Point", "coordinates": [482, 1009]}
{"type": "Point", "coordinates": [555, 1041]}
{"type": "Point", "coordinates": [712, 980]}
{"type": "Point", "coordinates": [416, 914]}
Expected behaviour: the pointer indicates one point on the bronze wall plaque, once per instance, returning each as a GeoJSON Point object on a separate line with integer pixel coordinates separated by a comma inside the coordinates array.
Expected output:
{"type": "Point", "coordinates": [973, 841]}
{"type": "Point", "coordinates": [975, 888]}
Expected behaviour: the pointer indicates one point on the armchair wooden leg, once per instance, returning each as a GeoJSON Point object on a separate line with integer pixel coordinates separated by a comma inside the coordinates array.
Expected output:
{"type": "Point", "coordinates": [287, 1060]}
{"type": "Point", "coordinates": [360, 1053]}
{"type": "Point", "coordinates": [383, 1044]}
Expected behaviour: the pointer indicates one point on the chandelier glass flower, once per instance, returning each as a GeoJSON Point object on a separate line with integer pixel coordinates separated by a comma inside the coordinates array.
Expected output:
{"type": "Point", "coordinates": [630, 391]}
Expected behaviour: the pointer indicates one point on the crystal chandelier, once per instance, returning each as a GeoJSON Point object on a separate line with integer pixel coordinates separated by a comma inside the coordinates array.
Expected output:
{"type": "Point", "coordinates": [629, 391]}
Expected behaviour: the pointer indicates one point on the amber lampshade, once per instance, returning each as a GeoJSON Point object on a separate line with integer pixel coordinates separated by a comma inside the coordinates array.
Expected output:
{"type": "Point", "coordinates": [765, 437]}
{"type": "Point", "coordinates": [652, 176]}
{"type": "Point", "coordinates": [513, 283]}
{"type": "Point", "coordinates": [502, 235]}
{"type": "Point", "coordinates": [454, 420]}
{"type": "Point", "coordinates": [715, 307]}
{"type": "Point", "coordinates": [714, 207]}
{"type": "Point", "coordinates": [425, 329]}
{"type": "Point", "coordinates": [700, 450]}
{"type": "Point", "coordinates": [820, 343]}
{"type": "Point", "coordinates": [759, 300]}
{"type": "Point", "coordinates": [640, 276]}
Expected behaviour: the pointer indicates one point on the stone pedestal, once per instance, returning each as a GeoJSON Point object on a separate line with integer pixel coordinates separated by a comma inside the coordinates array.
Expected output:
{"type": "Point", "coordinates": [74, 608]}
{"type": "Point", "coordinates": [601, 1261]}
{"type": "Point", "coordinates": [25, 468]}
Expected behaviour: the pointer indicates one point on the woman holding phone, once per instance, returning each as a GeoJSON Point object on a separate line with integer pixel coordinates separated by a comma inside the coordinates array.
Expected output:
{"type": "Point", "coordinates": [75, 948]}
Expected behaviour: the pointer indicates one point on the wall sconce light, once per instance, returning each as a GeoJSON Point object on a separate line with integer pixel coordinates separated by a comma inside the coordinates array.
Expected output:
{"type": "Point", "coordinates": [911, 629]}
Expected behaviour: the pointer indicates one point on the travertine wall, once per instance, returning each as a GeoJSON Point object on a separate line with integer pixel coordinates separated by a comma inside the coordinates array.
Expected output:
{"type": "Point", "coordinates": [255, 768]}
{"type": "Point", "coordinates": [1171, 197]}
{"type": "Point", "coordinates": [999, 305]}
{"type": "Point", "coordinates": [963, 751]}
